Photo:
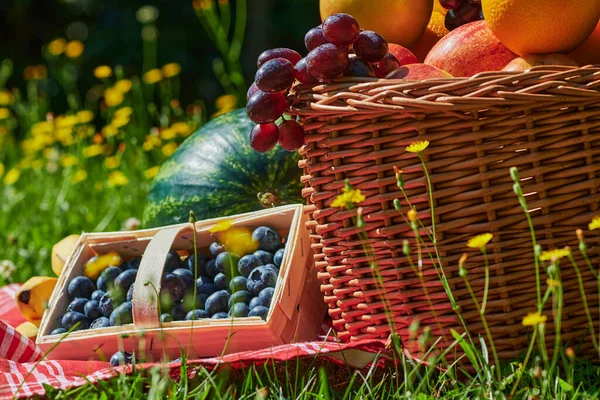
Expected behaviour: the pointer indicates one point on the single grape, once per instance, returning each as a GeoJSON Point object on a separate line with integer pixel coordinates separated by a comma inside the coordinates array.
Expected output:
{"type": "Point", "coordinates": [341, 29]}
{"type": "Point", "coordinates": [385, 66]}
{"type": "Point", "coordinates": [314, 38]}
{"type": "Point", "coordinates": [370, 46]}
{"type": "Point", "coordinates": [464, 14]}
{"type": "Point", "coordinates": [450, 4]}
{"type": "Point", "coordinates": [291, 55]}
{"type": "Point", "coordinates": [264, 137]}
{"type": "Point", "coordinates": [358, 67]}
{"type": "Point", "coordinates": [253, 89]}
{"type": "Point", "coordinates": [265, 107]}
{"type": "Point", "coordinates": [275, 75]}
{"type": "Point", "coordinates": [291, 135]}
{"type": "Point", "coordinates": [327, 61]}
{"type": "Point", "coordinates": [302, 73]}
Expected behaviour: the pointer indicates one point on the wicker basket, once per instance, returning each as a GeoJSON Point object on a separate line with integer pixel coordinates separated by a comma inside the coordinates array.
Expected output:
{"type": "Point", "coordinates": [546, 122]}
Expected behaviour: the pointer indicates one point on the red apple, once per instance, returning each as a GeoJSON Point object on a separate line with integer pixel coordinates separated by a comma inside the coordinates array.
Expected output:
{"type": "Point", "coordinates": [469, 50]}
{"type": "Point", "coordinates": [522, 64]}
{"type": "Point", "coordinates": [402, 54]}
{"type": "Point", "coordinates": [417, 72]}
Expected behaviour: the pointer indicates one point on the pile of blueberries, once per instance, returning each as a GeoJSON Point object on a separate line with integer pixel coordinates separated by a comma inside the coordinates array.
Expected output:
{"type": "Point", "coordinates": [226, 285]}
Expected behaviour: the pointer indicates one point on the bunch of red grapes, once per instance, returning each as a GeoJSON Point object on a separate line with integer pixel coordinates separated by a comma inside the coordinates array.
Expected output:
{"type": "Point", "coordinates": [336, 48]}
{"type": "Point", "coordinates": [461, 12]}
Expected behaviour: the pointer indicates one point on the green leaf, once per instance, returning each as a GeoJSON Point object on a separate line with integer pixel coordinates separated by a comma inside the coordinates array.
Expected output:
{"type": "Point", "coordinates": [467, 348]}
{"type": "Point", "coordinates": [565, 385]}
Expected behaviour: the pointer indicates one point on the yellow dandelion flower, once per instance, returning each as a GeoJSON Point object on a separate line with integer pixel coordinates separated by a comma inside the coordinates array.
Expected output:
{"type": "Point", "coordinates": [222, 226]}
{"type": "Point", "coordinates": [181, 128]}
{"type": "Point", "coordinates": [79, 176]}
{"type": "Point", "coordinates": [1, 169]}
{"type": "Point", "coordinates": [12, 176]}
{"type": "Point", "coordinates": [41, 72]}
{"type": "Point", "coordinates": [4, 113]}
{"type": "Point", "coordinates": [347, 198]}
{"type": "Point", "coordinates": [93, 150]}
{"type": "Point", "coordinates": [6, 98]}
{"type": "Point", "coordinates": [226, 102]}
{"type": "Point", "coordinates": [119, 122]}
{"type": "Point", "coordinates": [169, 149]}
{"type": "Point", "coordinates": [168, 134]}
{"type": "Point", "coordinates": [595, 224]}
{"type": "Point", "coordinates": [65, 121]}
{"type": "Point", "coordinates": [103, 71]}
{"type": "Point", "coordinates": [123, 85]}
{"type": "Point", "coordinates": [479, 241]}
{"type": "Point", "coordinates": [68, 160]}
{"type": "Point", "coordinates": [51, 154]}
{"type": "Point", "coordinates": [151, 172]}
{"type": "Point", "coordinates": [555, 254]}
{"type": "Point", "coordinates": [112, 162]}
{"type": "Point", "coordinates": [534, 318]}
{"type": "Point", "coordinates": [25, 163]}
{"type": "Point", "coordinates": [151, 142]}
{"type": "Point", "coordinates": [418, 146]}
{"type": "Point", "coordinates": [170, 70]}
{"type": "Point", "coordinates": [113, 97]}
{"type": "Point", "coordinates": [153, 76]}
{"type": "Point", "coordinates": [84, 116]}
{"type": "Point", "coordinates": [74, 49]}
{"type": "Point", "coordinates": [109, 131]}
{"type": "Point", "coordinates": [123, 112]}
{"type": "Point", "coordinates": [98, 186]}
{"type": "Point", "coordinates": [117, 178]}
{"type": "Point", "coordinates": [57, 46]}
{"type": "Point", "coordinates": [553, 283]}
{"type": "Point", "coordinates": [40, 128]}
{"type": "Point", "coordinates": [412, 215]}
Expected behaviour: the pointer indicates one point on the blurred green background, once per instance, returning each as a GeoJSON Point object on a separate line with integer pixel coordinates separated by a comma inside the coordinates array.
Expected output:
{"type": "Point", "coordinates": [112, 35]}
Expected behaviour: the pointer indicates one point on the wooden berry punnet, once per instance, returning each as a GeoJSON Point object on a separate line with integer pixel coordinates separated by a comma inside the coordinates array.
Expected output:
{"type": "Point", "coordinates": [296, 312]}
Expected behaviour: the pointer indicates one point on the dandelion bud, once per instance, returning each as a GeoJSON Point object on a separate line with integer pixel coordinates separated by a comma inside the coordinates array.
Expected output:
{"type": "Point", "coordinates": [463, 259]}
{"type": "Point", "coordinates": [397, 205]}
{"type": "Point", "coordinates": [347, 185]}
{"type": "Point", "coordinates": [412, 215]}
{"type": "Point", "coordinates": [359, 219]}
{"type": "Point", "coordinates": [192, 218]}
{"type": "Point", "coordinates": [405, 248]}
{"type": "Point", "coordinates": [537, 250]}
{"type": "Point", "coordinates": [462, 272]}
{"type": "Point", "coordinates": [552, 269]}
{"type": "Point", "coordinates": [582, 247]}
{"type": "Point", "coordinates": [517, 189]}
{"type": "Point", "coordinates": [569, 352]}
{"type": "Point", "coordinates": [399, 180]}
{"type": "Point", "coordinates": [514, 174]}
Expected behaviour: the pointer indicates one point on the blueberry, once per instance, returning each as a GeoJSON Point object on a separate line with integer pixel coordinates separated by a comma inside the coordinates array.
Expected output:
{"type": "Point", "coordinates": [216, 249]}
{"type": "Point", "coordinates": [206, 288]}
{"type": "Point", "coordinates": [254, 302]}
{"type": "Point", "coordinates": [217, 302]}
{"type": "Point", "coordinates": [221, 281]}
{"type": "Point", "coordinates": [122, 315]}
{"type": "Point", "coordinates": [190, 264]}
{"type": "Point", "coordinates": [248, 263]}
{"type": "Point", "coordinates": [107, 278]}
{"type": "Point", "coordinates": [178, 312]}
{"type": "Point", "coordinates": [278, 257]}
{"type": "Point", "coordinates": [219, 315]}
{"type": "Point", "coordinates": [77, 305]}
{"type": "Point", "coordinates": [166, 317]}
{"type": "Point", "coordinates": [125, 280]}
{"type": "Point", "coordinates": [186, 276]}
{"type": "Point", "coordinates": [70, 319]}
{"type": "Point", "coordinates": [265, 256]}
{"type": "Point", "coordinates": [265, 296]}
{"type": "Point", "coordinates": [172, 290]}
{"type": "Point", "coordinates": [101, 322]}
{"type": "Point", "coordinates": [134, 263]}
{"type": "Point", "coordinates": [204, 279]}
{"type": "Point", "coordinates": [226, 263]}
{"type": "Point", "coordinates": [240, 297]}
{"type": "Point", "coordinates": [189, 303]}
{"type": "Point", "coordinates": [97, 295]}
{"type": "Point", "coordinates": [196, 314]}
{"type": "Point", "coordinates": [259, 311]}
{"type": "Point", "coordinates": [173, 261]}
{"type": "Point", "coordinates": [237, 283]}
{"type": "Point", "coordinates": [268, 238]}
{"type": "Point", "coordinates": [273, 267]}
{"type": "Point", "coordinates": [261, 278]}
{"type": "Point", "coordinates": [58, 331]}
{"type": "Point", "coordinates": [129, 296]}
{"type": "Point", "coordinates": [80, 286]}
{"type": "Point", "coordinates": [107, 304]}
{"type": "Point", "coordinates": [211, 268]}
{"type": "Point", "coordinates": [121, 358]}
{"type": "Point", "coordinates": [239, 310]}
{"type": "Point", "coordinates": [91, 310]}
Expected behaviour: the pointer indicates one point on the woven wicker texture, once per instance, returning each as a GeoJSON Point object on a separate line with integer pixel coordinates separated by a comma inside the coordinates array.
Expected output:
{"type": "Point", "coordinates": [545, 122]}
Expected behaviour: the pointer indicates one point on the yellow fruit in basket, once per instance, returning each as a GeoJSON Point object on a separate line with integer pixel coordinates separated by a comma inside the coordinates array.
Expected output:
{"type": "Point", "coordinates": [541, 26]}
{"type": "Point", "coordinates": [434, 32]}
{"type": "Point", "coordinates": [29, 329]}
{"type": "Point", "coordinates": [94, 267]}
{"type": "Point", "coordinates": [61, 251]}
{"type": "Point", "coordinates": [398, 21]}
{"type": "Point", "coordinates": [32, 299]}
{"type": "Point", "coordinates": [589, 51]}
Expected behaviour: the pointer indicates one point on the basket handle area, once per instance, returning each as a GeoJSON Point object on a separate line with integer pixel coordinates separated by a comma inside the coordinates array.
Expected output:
{"type": "Point", "coordinates": [148, 281]}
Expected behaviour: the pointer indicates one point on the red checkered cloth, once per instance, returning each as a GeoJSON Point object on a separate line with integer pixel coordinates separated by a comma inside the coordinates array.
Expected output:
{"type": "Point", "coordinates": [22, 374]}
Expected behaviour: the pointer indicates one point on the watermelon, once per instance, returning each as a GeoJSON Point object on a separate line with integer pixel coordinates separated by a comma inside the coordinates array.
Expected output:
{"type": "Point", "coordinates": [216, 173]}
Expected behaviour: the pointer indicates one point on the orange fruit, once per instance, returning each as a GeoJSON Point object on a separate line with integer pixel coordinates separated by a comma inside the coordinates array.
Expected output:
{"type": "Point", "coordinates": [437, 7]}
{"type": "Point", "coordinates": [398, 21]}
{"type": "Point", "coordinates": [589, 51]}
{"type": "Point", "coordinates": [541, 26]}
{"type": "Point", "coordinates": [434, 32]}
